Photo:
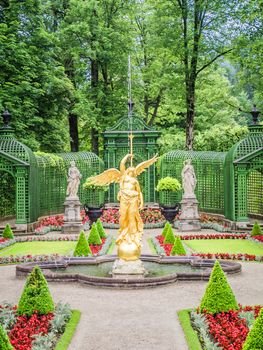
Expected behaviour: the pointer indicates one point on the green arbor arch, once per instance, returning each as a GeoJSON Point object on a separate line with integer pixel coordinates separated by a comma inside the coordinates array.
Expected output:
{"type": "Point", "coordinates": [116, 145]}
{"type": "Point", "coordinates": [19, 161]}
{"type": "Point", "coordinates": [41, 179]}
{"type": "Point", "coordinates": [244, 177]}
{"type": "Point", "coordinates": [227, 183]}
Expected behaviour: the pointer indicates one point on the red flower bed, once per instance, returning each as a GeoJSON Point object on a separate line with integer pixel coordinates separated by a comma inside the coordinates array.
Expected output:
{"type": "Point", "coordinates": [148, 215]}
{"type": "Point", "coordinates": [247, 257]}
{"type": "Point", "coordinates": [258, 238]}
{"type": "Point", "coordinates": [215, 236]}
{"type": "Point", "coordinates": [95, 248]}
{"type": "Point", "coordinates": [2, 240]}
{"type": "Point", "coordinates": [228, 329]}
{"type": "Point", "coordinates": [58, 220]}
{"type": "Point", "coordinates": [167, 247]}
{"type": "Point", "coordinates": [22, 334]}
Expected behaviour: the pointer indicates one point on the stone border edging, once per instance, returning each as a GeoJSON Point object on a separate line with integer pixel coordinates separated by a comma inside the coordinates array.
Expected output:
{"type": "Point", "coordinates": [128, 283]}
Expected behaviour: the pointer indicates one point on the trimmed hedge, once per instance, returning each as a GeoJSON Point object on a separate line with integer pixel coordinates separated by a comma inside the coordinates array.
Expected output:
{"type": "Point", "coordinates": [256, 230]}
{"type": "Point", "coordinates": [82, 247]}
{"type": "Point", "coordinates": [166, 228]}
{"type": "Point", "coordinates": [254, 339]}
{"type": "Point", "coordinates": [36, 295]}
{"type": "Point", "coordinates": [94, 237]}
{"type": "Point", "coordinates": [218, 296]}
{"type": "Point", "coordinates": [100, 229]}
{"type": "Point", "coordinates": [8, 233]}
{"type": "Point", "coordinates": [169, 237]}
{"type": "Point", "coordinates": [178, 248]}
{"type": "Point", "coordinates": [4, 340]}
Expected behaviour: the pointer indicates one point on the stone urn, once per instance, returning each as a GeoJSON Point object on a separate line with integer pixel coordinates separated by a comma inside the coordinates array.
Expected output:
{"type": "Point", "coordinates": [169, 212]}
{"type": "Point", "coordinates": [94, 213]}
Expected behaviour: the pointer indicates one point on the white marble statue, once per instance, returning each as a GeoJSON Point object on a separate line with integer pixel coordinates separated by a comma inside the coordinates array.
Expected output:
{"type": "Point", "coordinates": [188, 179]}
{"type": "Point", "coordinates": [74, 177]}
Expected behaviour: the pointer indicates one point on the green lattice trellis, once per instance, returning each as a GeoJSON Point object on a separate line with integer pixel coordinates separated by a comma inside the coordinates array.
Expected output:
{"type": "Point", "coordinates": [209, 173]}
{"type": "Point", "coordinates": [41, 179]}
{"type": "Point", "coordinates": [53, 179]}
{"type": "Point", "coordinates": [117, 146]}
{"type": "Point", "coordinates": [243, 177]}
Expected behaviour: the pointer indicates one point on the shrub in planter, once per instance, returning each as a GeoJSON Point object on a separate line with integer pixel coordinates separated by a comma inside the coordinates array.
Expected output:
{"type": "Point", "coordinates": [94, 237]}
{"type": "Point", "coordinates": [166, 228]}
{"type": "Point", "coordinates": [169, 237]}
{"type": "Point", "coordinates": [100, 229]}
{"type": "Point", "coordinates": [254, 340]}
{"type": "Point", "coordinates": [218, 296]}
{"type": "Point", "coordinates": [82, 247]}
{"type": "Point", "coordinates": [36, 295]}
{"type": "Point", "coordinates": [256, 231]}
{"type": "Point", "coordinates": [4, 340]}
{"type": "Point", "coordinates": [178, 248]}
{"type": "Point", "coordinates": [168, 184]}
{"type": "Point", "coordinates": [8, 233]}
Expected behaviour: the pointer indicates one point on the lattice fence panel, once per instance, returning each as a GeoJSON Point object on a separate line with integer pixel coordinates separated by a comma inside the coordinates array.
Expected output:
{"type": "Point", "coordinates": [255, 193]}
{"type": "Point", "coordinates": [208, 167]}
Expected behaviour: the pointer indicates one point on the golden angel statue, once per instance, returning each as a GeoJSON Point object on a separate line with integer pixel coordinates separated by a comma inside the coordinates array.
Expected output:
{"type": "Point", "coordinates": [131, 200]}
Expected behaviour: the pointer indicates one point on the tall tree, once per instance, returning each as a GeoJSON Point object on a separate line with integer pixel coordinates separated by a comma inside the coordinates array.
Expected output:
{"type": "Point", "coordinates": [33, 84]}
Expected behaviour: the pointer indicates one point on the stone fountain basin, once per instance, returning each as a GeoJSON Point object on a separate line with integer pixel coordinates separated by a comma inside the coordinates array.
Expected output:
{"type": "Point", "coordinates": [51, 271]}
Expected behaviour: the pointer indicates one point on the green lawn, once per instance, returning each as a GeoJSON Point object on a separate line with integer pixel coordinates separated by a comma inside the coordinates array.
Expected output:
{"type": "Point", "coordinates": [225, 246]}
{"type": "Point", "coordinates": [38, 248]}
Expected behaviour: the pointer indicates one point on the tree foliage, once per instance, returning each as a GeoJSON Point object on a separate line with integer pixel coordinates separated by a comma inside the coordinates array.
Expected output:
{"type": "Point", "coordinates": [195, 68]}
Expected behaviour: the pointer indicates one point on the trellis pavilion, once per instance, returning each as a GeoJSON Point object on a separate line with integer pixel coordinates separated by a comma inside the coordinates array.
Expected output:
{"type": "Point", "coordinates": [34, 184]}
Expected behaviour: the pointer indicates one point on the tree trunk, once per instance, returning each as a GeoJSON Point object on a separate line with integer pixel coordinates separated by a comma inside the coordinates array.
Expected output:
{"type": "Point", "coordinates": [73, 132]}
{"type": "Point", "coordinates": [94, 93]}
{"type": "Point", "coordinates": [95, 141]}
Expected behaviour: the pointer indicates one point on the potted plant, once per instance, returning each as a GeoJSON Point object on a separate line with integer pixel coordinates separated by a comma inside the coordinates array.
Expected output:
{"type": "Point", "coordinates": [94, 199]}
{"type": "Point", "coordinates": [168, 187]}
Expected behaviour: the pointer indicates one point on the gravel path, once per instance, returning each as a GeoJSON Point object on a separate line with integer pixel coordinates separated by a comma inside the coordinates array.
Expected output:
{"type": "Point", "coordinates": [134, 319]}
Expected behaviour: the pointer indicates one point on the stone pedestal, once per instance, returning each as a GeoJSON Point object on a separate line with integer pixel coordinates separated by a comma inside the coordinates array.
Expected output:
{"type": "Point", "coordinates": [126, 269]}
{"type": "Point", "coordinates": [72, 218]}
{"type": "Point", "coordinates": [189, 219]}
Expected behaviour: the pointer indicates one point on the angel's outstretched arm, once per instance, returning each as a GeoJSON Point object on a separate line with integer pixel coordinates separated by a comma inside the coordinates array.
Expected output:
{"type": "Point", "coordinates": [122, 164]}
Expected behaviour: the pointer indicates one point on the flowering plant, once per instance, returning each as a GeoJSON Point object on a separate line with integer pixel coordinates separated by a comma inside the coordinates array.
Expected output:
{"type": "Point", "coordinates": [37, 331]}
{"type": "Point", "coordinates": [230, 329]}
{"type": "Point", "coordinates": [55, 223]}
{"type": "Point", "coordinates": [148, 215]}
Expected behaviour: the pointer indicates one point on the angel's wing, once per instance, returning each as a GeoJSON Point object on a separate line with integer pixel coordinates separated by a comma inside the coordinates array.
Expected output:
{"type": "Point", "coordinates": [142, 166]}
{"type": "Point", "coordinates": [106, 178]}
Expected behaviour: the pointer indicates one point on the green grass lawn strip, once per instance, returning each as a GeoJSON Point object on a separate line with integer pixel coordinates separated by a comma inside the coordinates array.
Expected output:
{"type": "Point", "coordinates": [152, 248]}
{"type": "Point", "coordinates": [38, 248]}
{"type": "Point", "coordinates": [190, 334]}
{"type": "Point", "coordinates": [111, 247]}
{"type": "Point", "coordinates": [225, 246]}
{"type": "Point", "coordinates": [71, 326]}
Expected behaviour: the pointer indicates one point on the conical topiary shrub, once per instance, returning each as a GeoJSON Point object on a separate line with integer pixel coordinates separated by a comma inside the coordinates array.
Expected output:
{"type": "Point", "coordinates": [82, 247]}
{"type": "Point", "coordinates": [169, 237]}
{"type": "Point", "coordinates": [8, 233]}
{"type": "Point", "coordinates": [94, 237]}
{"type": "Point", "coordinates": [178, 248]}
{"type": "Point", "coordinates": [100, 229]}
{"type": "Point", "coordinates": [36, 295]}
{"type": "Point", "coordinates": [218, 296]}
{"type": "Point", "coordinates": [256, 230]}
{"type": "Point", "coordinates": [166, 228]}
{"type": "Point", "coordinates": [254, 339]}
{"type": "Point", "coordinates": [4, 340]}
